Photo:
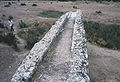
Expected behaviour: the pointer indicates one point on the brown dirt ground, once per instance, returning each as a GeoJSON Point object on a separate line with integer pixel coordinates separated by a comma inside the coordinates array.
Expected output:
{"type": "Point", "coordinates": [103, 63]}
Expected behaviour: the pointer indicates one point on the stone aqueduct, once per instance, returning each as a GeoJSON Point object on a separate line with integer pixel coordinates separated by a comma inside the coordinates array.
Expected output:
{"type": "Point", "coordinates": [78, 71]}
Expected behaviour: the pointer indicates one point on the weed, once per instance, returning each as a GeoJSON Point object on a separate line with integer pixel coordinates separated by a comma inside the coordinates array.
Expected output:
{"type": "Point", "coordinates": [36, 24]}
{"type": "Point", "coordinates": [6, 5]}
{"type": "Point", "coordinates": [75, 7]}
{"type": "Point", "coordinates": [9, 3]}
{"type": "Point", "coordinates": [98, 12]}
{"type": "Point", "coordinates": [34, 4]}
{"type": "Point", "coordinates": [23, 4]}
{"type": "Point", "coordinates": [22, 24]}
{"type": "Point", "coordinates": [10, 17]}
{"type": "Point", "coordinates": [3, 15]}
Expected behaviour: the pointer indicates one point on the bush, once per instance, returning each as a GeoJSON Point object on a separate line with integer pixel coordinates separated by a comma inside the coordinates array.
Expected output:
{"type": "Point", "coordinates": [75, 7]}
{"type": "Point", "coordinates": [36, 24]}
{"type": "Point", "coordinates": [34, 4]}
{"type": "Point", "coordinates": [4, 15]}
{"type": "Point", "coordinates": [51, 14]}
{"type": "Point", "coordinates": [22, 24]}
{"type": "Point", "coordinates": [103, 34]}
{"type": "Point", "coordinates": [9, 3]}
{"type": "Point", "coordinates": [10, 17]}
{"type": "Point", "coordinates": [6, 5]}
{"type": "Point", "coordinates": [98, 12]}
{"type": "Point", "coordinates": [23, 4]}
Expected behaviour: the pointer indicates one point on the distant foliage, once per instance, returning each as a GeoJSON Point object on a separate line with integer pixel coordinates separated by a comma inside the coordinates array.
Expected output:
{"type": "Point", "coordinates": [51, 14]}
{"type": "Point", "coordinates": [34, 4]}
{"type": "Point", "coordinates": [36, 24]}
{"type": "Point", "coordinates": [23, 4]}
{"type": "Point", "coordinates": [10, 17]}
{"type": "Point", "coordinates": [3, 15]}
{"type": "Point", "coordinates": [9, 3]}
{"type": "Point", "coordinates": [75, 7]}
{"type": "Point", "coordinates": [6, 5]}
{"type": "Point", "coordinates": [102, 34]}
{"type": "Point", "coordinates": [22, 24]}
{"type": "Point", "coordinates": [98, 12]}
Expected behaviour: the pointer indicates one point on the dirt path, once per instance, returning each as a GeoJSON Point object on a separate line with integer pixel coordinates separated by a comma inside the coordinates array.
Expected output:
{"type": "Point", "coordinates": [104, 64]}
{"type": "Point", "coordinates": [55, 66]}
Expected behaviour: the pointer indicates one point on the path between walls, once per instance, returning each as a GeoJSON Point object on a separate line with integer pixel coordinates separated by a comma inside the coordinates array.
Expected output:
{"type": "Point", "coordinates": [58, 61]}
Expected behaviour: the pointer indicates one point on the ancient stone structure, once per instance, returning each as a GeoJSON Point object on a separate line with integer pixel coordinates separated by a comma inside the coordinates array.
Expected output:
{"type": "Point", "coordinates": [78, 71]}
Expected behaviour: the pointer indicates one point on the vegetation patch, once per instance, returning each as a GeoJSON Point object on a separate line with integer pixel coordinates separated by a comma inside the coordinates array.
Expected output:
{"type": "Point", "coordinates": [6, 36]}
{"type": "Point", "coordinates": [51, 14]}
{"type": "Point", "coordinates": [75, 7]}
{"type": "Point", "coordinates": [106, 35]}
{"type": "Point", "coordinates": [3, 15]}
{"type": "Point", "coordinates": [22, 24]}
{"type": "Point", "coordinates": [23, 4]}
{"type": "Point", "coordinates": [9, 3]}
{"type": "Point", "coordinates": [34, 4]}
{"type": "Point", "coordinates": [10, 17]}
{"type": "Point", "coordinates": [6, 5]}
{"type": "Point", "coordinates": [98, 12]}
{"type": "Point", "coordinates": [33, 35]}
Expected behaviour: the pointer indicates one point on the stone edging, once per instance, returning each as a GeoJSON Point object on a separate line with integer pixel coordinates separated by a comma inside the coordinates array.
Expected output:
{"type": "Point", "coordinates": [79, 68]}
{"type": "Point", "coordinates": [29, 64]}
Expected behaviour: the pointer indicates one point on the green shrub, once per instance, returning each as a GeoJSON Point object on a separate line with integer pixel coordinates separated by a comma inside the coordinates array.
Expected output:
{"type": "Point", "coordinates": [22, 24]}
{"type": "Point", "coordinates": [98, 12]}
{"type": "Point", "coordinates": [34, 4]}
{"type": "Point", "coordinates": [10, 17]}
{"type": "Point", "coordinates": [23, 4]}
{"type": "Point", "coordinates": [36, 24]}
{"type": "Point", "coordinates": [51, 14]}
{"type": "Point", "coordinates": [106, 35]}
{"type": "Point", "coordinates": [4, 15]}
{"type": "Point", "coordinates": [9, 3]}
{"type": "Point", "coordinates": [6, 5]}
{"type": "Point", "coordinates": [75, 7]}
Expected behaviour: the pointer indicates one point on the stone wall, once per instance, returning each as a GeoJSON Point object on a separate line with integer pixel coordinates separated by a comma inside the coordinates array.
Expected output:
{"type": "Point", "coordinates": [79, 68]}
{"type": "Point", "coordinates": [29, 64]}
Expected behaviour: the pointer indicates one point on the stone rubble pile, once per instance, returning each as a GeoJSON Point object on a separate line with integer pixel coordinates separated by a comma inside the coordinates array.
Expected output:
{"type": "Point", "coordinates": [79, 68]}
{"type": "Point", "coordinates": [29, 64]}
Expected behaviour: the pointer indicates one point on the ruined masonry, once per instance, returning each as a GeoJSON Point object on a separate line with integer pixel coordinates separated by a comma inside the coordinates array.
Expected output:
{"type": "Point", "coordinates": [78, 71]}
